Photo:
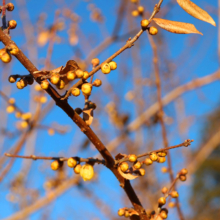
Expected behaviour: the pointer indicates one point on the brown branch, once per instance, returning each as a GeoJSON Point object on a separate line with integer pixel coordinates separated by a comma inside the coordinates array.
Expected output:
{"type": "Point", "coordinates": [84, 128]}
{"type": "Point", "coordinates": [171, 96]}
{"type": "Point", "coordinates": [42, 202]}
{"type": "Point", "coordinates": [167, 194]}
{"type": "Point", "coordinates": [186, 143]}
{"type": "Point", "coordinates": [46, 127]}
{"type": "Point", "coordinates": [161, 115]}
{"type": "Point", "coordinates": [128, 44]}
{"type": "Point", "coordinates": [21, 142]}
{"type": "Point", "coordinates": [33, 157]}
{"type": "Point", "coordinates": [4, 24]}
{"type": "Point", "coordinates": [204, 152]}
{"type": "Point", "coordinates": [17, 149]}
{"type": "Point", "coordinates": [6, 98]}
{"type": "Point", "coordinates": [51, 42]}
{"type": "Point", "coordinates": [108, 41]}
{"type": "Point", "coordinates": [81, 124]}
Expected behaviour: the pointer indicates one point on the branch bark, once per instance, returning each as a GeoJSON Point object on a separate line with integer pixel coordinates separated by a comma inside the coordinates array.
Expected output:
{"type": "Point", "coordinates": [63, 104]}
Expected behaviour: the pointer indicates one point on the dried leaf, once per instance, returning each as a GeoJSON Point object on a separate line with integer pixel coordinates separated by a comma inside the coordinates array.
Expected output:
{"type": "Point", "coordinates": [88, 116]}
{"type": "Point", "coordinates": [176, 27]}
{"type": "Point", "coordinates": [57, 70]}
{"type": "Point", "coordinates": [71, 65]}
{"type": "Point", "coordinates": [127, 176]}
{"type": "Point", "coordinates": [120, 156]}
{"type": "Point", "coordinates": [133, 212]}
{"type": "Point", "coordinates": [195, 11]}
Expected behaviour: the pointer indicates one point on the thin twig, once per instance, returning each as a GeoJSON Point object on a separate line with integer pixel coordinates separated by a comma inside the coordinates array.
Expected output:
{"type": "Point", "coordinates": [161, 115]}
{"type": "Point", "coordinates": [4, 24]}
{"type": "Point", "coordinates": [167, 194]}
{"type": "Point", "coordinates": [186, 143]}
{"type": "Point", "coordinates": [6, 98]}
{"type": "Point", "coordinates": [82, 125]}
{"type": "Point", "coordinates": [128, 44]}
{"type": "Point", "coordinates": [33, 157]}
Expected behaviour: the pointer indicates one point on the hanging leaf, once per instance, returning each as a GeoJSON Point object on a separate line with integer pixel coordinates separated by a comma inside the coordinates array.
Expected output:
{"type": "Point", "coordinates": [127, 176]}
{"type": "Point", "coordinates": [88, 116]}
{"type": "Point", "coordinates": [120, 156]}
{"type": "Point", "coordinates": [195, 11]}
{"type": "Point", "coordinates": [176, 27]}
{"type": "Point", "coordinates": [132, 212]}
{"type": "Point", "coordinates": [71, 65]}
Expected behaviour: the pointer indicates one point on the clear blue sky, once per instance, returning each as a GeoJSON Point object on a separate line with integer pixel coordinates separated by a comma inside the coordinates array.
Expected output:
{"type": "Point", "coordinates": [202, 57]}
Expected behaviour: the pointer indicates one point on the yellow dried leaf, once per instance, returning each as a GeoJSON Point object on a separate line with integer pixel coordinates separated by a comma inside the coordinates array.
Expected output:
{"type": "Point", "coordinates": [176, 27]}
{"type": "Point", "coordinates": [88, 116]}
{"type": "Point", "coordinates": [195, 11]}
{"type": "Point", "coordinates": [127, 176]}
{"type": "Point", "coordinates": [133, 212]}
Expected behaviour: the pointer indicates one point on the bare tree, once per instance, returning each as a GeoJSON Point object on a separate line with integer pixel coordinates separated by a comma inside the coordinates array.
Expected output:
{"type": "Point", "coordinates": [152, 86]}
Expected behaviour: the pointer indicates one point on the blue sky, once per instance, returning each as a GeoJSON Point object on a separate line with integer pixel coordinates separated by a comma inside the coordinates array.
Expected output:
{"type": "Point", "coordinates": [202, 59]}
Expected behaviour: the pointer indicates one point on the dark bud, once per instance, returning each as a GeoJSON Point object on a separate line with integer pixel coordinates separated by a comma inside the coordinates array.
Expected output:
{"type": "Point", "coordinates": [78, 111]}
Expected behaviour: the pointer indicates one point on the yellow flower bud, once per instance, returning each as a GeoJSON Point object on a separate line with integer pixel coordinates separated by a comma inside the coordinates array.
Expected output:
{"type": "Point", "coordinates": [85, 75]}
{"type": "Point", "coordinates": [161, 201]}
{"type": "Point", "coordinates": [137, 165]}
{"type": "Point", "coordinates": [24, 124]}
{"type": "Point", "coordinates": [51, 131]}
{"type": "Point", "coordinates": [124, 166]}
{"type": "Point", "coordinates": [97, 82]}
{"type": "Point", "coordinates": [140, 9]}
{"type": "Point", "coordinates": [153, 30]}
{"type": "Point", "coordinates": [55, 78]}
{"type": "Point", "coordinates": [162, 153]}
{"type": "Point", "coordinates": [26, 116]}
{"type": "Point", "coordinates": [86, 88]}
{"type": "Point", "coordinates": [105, 67]}
{"type": "Point", "coordinates": [61, 84]}
{"type": "Point", "coordinates": [18, 114]}
{"type": "Point", "coordinates": [142, 171]}
{"type": "Point", "coordinates": [38, 87]}
{"type": "Point", "coordinates": [10, 6]}
{"type": "Point", "coordinates": [153, 156]}
{"type": "Point", "coordinates": [144, 23]}
{"type": "Point", "coordinates": [148, 161]}
{"type": "Point", "coordinates": [44, 84]}
{"type": "Point", "coordinates": [71, 75]}
{"type": "Point", "coordinates": [79, 73]}
{"type": "Point", "coordinates": [121, 212]}
{"type": "Point", "coordinates": [135, 13]}
{"type": "Point", "coordinates": [43, 99]}
{"type": "Point", "coordinates": [87, 172]}
{"type": "Point", "coordinates": [75, 92]}
{"type": "Point", "coordinates": [113, 65]}
{"type": "Point", "coordinates": [10, 109]}
{"type": "Point", "coordinates": [11, 101]}
{"type": "Point", "coordinates": [71, 162]}
{"type": "Point", "coordinates": [12, 79]}
{"type": "Point", "coordinates": [13, 49]}
{"type": "Point", "coordinates": [174, 194]}
{"type": "Point", "coordinates": [5, 57]}
{"type": "Point", "coordinates": [55, 165]}
{"type": "Point", "coordinates": [161, 159]}
{"type": "Point", "coordinates": [95, 62]}
{"type": "Point", "coordinates": [184, 171]}
{"type": "Point", "coordinates": [12, 24]}
{"type": "Point", "coordinates": [132, 158]}
{"type": "Point", "coordinates": [77, 169]}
